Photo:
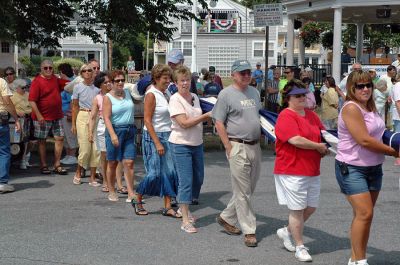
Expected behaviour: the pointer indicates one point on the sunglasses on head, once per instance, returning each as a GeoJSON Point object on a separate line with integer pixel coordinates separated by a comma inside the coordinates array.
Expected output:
{"type": "Point", "coordinates": [299, 95]}
{"type": "Point", "coordinates": [7, 74]}
{"type": "Point", "coordinates": [86, 70]}
{"type": "Point", "coordinates": [119, 81]}
{"type": "Point", "coordinates": [362, 86]}
{"type": "Point", "coordinates": [46, 68]}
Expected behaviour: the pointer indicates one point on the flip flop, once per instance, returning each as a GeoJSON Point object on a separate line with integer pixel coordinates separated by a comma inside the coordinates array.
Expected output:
{"type": "Point", "coordinates": [105, 189]}
{"type": "Point", "coordinates": [76, 181]}
{"type": "Point", "coordinates": [171, 213]}
{"type": "Point", "coordinates": [60, 170]}
{"type": "Point", "coordinates": [122, 190]}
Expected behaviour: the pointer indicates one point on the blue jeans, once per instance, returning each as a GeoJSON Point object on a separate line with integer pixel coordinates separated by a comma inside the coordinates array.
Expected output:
{"type": "Point", "coordinates": [189, 165]}
{"type": "Point", "coordinates": [5, 155]}
{"type": "Point", "coordinates": [358, 179]}
{"type": "Point", "coordinates": [126, 139]}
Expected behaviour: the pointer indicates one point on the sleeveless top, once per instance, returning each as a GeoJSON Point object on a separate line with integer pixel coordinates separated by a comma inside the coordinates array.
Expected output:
{"type": "Point", "coordinates": [161, 120]}
{"type": "Point", "coordinates": [122, 112]}
{"type": "Point", "coordinates": [349, 151]}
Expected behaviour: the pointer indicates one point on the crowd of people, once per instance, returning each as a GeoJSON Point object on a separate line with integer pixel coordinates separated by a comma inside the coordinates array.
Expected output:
{"type": "Point", "coordinates": [95, 113]}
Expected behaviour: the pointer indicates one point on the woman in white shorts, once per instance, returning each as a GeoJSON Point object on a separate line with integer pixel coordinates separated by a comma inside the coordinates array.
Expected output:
{"type": "Point", "coordinates": [297, 165]}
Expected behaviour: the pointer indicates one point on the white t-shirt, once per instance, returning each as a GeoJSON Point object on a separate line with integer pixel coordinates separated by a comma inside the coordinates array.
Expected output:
{"type": "Point", "coordinates": [192, 136]}
{"type": "Point", "coordinates": [395, 97]}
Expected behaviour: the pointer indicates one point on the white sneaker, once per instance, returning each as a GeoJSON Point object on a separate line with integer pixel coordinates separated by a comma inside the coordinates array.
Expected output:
{"type": "Point", "coordinates": [23, 164]}
{"type": "Point", "coordinates": [351, 262]}
{"type": "Point", "coordinates": [6, 188]}
{"type": "Point", "coordinates": [360, 262]}
{"type": "Point", "coordinates": [302, 254]}
{"type": "Point", "coordinates": [284, 234]}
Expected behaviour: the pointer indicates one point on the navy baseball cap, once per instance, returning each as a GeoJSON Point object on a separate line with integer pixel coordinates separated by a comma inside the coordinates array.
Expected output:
{"type": "Point", "coordinates": [143, 84]}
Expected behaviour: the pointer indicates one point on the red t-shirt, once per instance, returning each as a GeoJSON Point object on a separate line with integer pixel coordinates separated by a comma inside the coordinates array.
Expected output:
{"type": "Point", "coordinates": [46, 93]}
{"type": "Point", "coordinates": [291, 160]}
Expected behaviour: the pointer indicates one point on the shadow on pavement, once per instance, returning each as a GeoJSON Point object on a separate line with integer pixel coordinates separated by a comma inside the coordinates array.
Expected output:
{"type": "Point", "coordinates": [41, 184]}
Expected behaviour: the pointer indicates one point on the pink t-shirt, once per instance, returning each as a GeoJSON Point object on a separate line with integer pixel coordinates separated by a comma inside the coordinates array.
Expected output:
{"type": "Point", "coordinates": [192, 136]}
{"type": "Point", "coordinates": [349, 152]}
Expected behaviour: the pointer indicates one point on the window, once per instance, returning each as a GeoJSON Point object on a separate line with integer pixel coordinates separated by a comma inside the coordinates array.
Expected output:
{"type": "Point", "coordinates": [222, 57]}
{"type": "Point", "coordinates": [176, 45]}
{"type": "Point", "coordinates": [270, 49]}
{"type": "Point", "coordinates": [5, 47]}
{"type": "Point", "coordinates": [258, 49]}
{"type": "Point", "coordinates": [187, 48]}
{"type": "Point", "coordinates": [314, 60]}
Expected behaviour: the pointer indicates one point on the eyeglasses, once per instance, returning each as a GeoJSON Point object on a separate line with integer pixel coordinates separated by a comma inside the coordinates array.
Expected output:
{"type": "Point", "coordinates": [107, 83]}
{"type": "Point", "coordinates": [47, 68]}
{"type": "Point", "coordinates": [286, 72]}
{"type": "Point", "coordinates": [192, 101]}
{"type": "Point", "coordinates": [362, 86]}
{"type": "Point", "coordinates": [24, 87]}
{"type": "Point", "coordinates": [299, 95]}
{"type": "Point", "coordinates": [119, 81]}
{"type": "Point", "coordinates": [8, 74]}
{"type": "Point", "coordinates": [245, 72]}
{"type": "Point", "coordinates": [86, 70]}
{"type": "Point", "coordinates": [96, 68]}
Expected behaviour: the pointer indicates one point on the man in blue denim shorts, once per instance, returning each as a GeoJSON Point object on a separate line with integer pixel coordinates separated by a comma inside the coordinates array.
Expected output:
{"type": "Point", "coordinates": [45, 99]}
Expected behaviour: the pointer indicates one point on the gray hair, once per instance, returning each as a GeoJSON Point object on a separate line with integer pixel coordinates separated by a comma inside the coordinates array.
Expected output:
{"type": "Point", "coordinates": [17, 83]}
{"type": "Point", "coordinates": [381, 84]}
{"type": "Point", "coordinates": [46, 61]}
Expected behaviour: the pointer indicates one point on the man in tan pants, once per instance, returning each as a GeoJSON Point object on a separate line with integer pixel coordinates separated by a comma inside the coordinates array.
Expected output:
{"type": "Point", "coordinates": [238, 124]}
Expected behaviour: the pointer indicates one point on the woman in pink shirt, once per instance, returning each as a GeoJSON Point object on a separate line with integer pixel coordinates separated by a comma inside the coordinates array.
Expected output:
{"type": "Point", "coordinates": [359, 159]}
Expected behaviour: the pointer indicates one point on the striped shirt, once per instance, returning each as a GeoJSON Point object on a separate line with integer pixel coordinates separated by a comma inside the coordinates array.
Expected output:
{"type": "Point", "coordinates": [273, 97]}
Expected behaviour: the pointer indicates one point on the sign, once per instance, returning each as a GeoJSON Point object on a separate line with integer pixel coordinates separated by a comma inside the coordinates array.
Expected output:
{"type": "Point", "coordinates": [268, 15]}
{"type": "Point", "coordinates": [380, 69]}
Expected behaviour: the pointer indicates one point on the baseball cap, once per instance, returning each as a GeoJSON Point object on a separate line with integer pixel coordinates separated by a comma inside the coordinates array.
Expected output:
{"type": "Point", "coordinates": [175, 56]}
{"type": "Point", "coordinates": [240, 65]}
{"type": "Point", "coordinates": [211, 69]}
{"type": "Point", "coordinates": [258, 64]}
{"type": "Point", "coordinates": [297, 91]}
{"type": "Point", "coordinates": [143, 84]}
{"type": "Point", "coordinates": [372, 70]}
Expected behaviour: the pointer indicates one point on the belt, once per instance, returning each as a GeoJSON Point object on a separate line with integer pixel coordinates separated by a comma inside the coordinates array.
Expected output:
{"type": "Point", "coordinates": [243, 141]}
{"type": "Point", "coordinates": [83, 109]}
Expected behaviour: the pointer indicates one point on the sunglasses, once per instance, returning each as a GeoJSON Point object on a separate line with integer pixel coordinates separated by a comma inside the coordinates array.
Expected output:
{"type": "Point", "coordinates": [299, 95]}
{"type": "Point", "coordinates": [362, 86]}
{"type": "Point", "coordinates": [8, 74]}
{"type": "Point", "coordinates": [87, 70]}
{"type": "Point", "coordinates": [192, 101]}
{"type": "Point", "coordinates": [46, 68]}
{"type": "Point", "coordinates": [286, 72]}
{"type": "Point", "coordinates": [24, 87]}
{"type": "Point", "coordinates": [107, 83]}
{"type": "Point", "coordinates": [119, 81]}
{"type": "Point", "coordinates": [96, 68]}
{"type": "Point", "coordinates": [245, 72]}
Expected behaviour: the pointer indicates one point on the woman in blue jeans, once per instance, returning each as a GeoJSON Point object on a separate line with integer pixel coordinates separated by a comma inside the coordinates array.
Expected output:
{"type": "Point", "coordinates": [118, 114]}
{"type": "Point", "coordinates": [161, 179]}
{"type": "Point", "coordinates": [187, 144]}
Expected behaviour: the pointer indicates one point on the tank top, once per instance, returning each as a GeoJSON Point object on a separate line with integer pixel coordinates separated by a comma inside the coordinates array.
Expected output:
{"type": "Point", "coordinates": [349, 151]}
{"type": "Point", "coordinates": [122, 112]}
{"type": "Point", "coordinates": [161, 120]}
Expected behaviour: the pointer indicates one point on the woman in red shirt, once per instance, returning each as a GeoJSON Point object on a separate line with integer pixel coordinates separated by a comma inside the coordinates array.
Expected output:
{"type": "Point", "coordinates": [297, 164]}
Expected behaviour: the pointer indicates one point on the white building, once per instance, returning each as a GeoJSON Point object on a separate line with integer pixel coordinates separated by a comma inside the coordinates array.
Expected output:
{"type": "Point", "coordinates": [226, 34]}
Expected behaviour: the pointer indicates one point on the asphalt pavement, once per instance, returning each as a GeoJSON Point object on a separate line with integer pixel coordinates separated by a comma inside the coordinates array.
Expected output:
{"type": "Point", "coordinates": [48, 220]}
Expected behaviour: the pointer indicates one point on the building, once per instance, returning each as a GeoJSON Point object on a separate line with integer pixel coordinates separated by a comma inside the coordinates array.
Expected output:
{"type": "Point", "coordinates": [225, 35]}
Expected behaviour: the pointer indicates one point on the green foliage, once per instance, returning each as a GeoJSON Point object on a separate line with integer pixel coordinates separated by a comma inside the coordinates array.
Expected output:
{"type": "Point", "coordinates": [30, 68]}
{"type": "Point", "coordinates": [327, 39]}
{"type": "Point", "coordinates": [251, 3]}
{"type": "Point", "coordinates": [75, 63]}
{"type": "Point", "coordinates": [120, 56]}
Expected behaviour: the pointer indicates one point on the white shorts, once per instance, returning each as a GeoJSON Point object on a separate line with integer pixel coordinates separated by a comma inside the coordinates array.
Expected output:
{"type": "Point", "coordinates": [101, 138]}
{"type": "Point", "coordinates": [297, 192]}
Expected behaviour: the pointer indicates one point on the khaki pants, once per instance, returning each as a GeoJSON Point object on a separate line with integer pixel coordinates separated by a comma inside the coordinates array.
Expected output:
{"type": "Point", "coordinates": [88, 154]}
{"type": "Point", "coordinates": [244, 163]}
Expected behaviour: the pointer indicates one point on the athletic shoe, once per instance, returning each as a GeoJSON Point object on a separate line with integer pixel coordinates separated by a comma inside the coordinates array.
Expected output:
{"type": "Point", "coordinates": [70, 160]}
{"type": "Point", "coordinates": [284, 234]}
{"type": "Point", "coordinates": [302, 254]}
{"type": "Point", "coordinates": [62, 161]}
{"type": "Point", "coordinates": [6, 188]}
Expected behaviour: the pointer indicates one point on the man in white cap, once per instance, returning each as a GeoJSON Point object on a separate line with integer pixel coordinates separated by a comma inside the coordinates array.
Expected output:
{"type": "Point", "coordinates": [174, 59]}
{"type": "Point", "coordinates": [238, 124]}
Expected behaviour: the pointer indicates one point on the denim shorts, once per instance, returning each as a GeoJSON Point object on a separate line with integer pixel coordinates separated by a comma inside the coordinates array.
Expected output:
{"type": "Point", "coordinates": [126, 148]}
{"type": "Point", "coordinates": [358, 179]}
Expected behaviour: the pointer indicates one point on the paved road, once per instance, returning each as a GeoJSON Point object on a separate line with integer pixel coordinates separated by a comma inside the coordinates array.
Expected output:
{"type": "Point", "coordinates": [50, 221]}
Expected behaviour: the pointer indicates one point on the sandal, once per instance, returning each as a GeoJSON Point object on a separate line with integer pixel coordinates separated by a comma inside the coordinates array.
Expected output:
{"type": "Point", "coordinates": [191, 218]}
{"type": "Point", "coordinates": [94, 184]}
{"type": "Point", "coordinates": [171, 213]}
{"type": "Point", "coordinates": [139, 210]}
{"type": "Point", "coordinates": [45, 170]}
{"type": "Point", "coordinates": [112, 196]}
{"type": "Point", "coordinates": [60, 170]}
{"type": "Point", "coordinates": [105, 189]}
{"type": "Point", "coordinates": [189, 228]}
{"type": "Point", "coordinates": [122, 190]}
{"type": "Point", "coordinates": [76, 181]}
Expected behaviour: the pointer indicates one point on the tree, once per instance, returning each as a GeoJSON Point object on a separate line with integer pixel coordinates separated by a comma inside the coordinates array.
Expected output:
{"type": "Point", "coordinates": [251, 3]}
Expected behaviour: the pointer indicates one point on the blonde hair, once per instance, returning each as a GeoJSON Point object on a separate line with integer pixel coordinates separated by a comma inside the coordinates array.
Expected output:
{"type": "Point", "coordinates": [85, 66]}
{"type": "Point", "coordinates": [181, 70]}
